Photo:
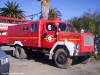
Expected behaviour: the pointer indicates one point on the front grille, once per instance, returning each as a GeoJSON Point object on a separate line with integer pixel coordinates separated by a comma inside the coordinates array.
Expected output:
{"type": "Point", "coordinates": [88, 40]}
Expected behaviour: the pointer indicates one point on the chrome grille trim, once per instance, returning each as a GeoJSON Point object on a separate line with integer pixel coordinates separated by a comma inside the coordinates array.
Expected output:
{"type": "Point", "coordinates": [88, 40]}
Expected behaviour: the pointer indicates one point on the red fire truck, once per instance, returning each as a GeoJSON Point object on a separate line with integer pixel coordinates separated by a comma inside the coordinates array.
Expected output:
{"type": "Point", "coordinates": [55, 38]}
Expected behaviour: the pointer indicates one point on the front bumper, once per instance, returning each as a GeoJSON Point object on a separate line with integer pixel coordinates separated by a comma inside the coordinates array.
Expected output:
{"type": "Point", "coordinates": [4, 69]}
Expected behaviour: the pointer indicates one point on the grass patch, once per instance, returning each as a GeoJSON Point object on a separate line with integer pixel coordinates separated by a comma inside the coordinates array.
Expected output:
{"type": "Point", "coordinates": [97, 56]}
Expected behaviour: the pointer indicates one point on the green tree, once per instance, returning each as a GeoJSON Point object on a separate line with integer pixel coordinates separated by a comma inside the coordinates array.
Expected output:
{"type": "Point", "coordinates": [89, 22]}
{"type": "Point", "coordinates": [97, 19]}
{"type": "Point", "coordinates": [12, 9]}
{"type": "Point", "coordinates": [54, 13]}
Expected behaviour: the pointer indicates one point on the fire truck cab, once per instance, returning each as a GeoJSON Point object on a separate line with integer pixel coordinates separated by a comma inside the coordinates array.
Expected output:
{"type": "Point", "coordinates": [55, 38]}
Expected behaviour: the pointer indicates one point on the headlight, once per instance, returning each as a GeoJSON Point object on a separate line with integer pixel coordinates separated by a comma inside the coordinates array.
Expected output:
{"type": "Point", "coordinates": [3, 60]}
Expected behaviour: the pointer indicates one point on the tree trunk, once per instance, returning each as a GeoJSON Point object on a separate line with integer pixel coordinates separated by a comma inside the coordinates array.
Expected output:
{"type": "Point", "coordinates": [45, 6]}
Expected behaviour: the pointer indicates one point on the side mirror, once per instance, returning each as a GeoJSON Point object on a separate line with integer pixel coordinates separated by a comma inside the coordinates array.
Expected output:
{"type": "Point", "coordinates": [82, 30]}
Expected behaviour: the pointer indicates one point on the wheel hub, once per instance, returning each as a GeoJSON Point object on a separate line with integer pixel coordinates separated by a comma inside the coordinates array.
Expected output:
{"type": "Point", "coordinates": [62, 58]}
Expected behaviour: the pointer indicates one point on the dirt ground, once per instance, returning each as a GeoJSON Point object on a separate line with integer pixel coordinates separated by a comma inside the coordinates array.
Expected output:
{"type": "Point", "coordinates": [35, 66]}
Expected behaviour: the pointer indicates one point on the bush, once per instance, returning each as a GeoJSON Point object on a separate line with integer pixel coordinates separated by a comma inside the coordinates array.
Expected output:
{"type": "Point", "coordinates": [97, 56]}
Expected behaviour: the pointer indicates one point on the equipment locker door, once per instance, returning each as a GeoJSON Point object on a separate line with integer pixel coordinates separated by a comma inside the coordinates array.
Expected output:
{"type": "Point", "coordinates": [35, 34]}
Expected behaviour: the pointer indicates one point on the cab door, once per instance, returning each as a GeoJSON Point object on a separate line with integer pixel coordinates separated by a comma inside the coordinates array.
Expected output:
{"type": "Point", "coordinates": [49, 36]}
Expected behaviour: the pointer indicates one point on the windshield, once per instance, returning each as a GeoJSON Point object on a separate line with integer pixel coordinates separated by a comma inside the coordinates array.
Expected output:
{"type": "Point", "coordinates": [66, 27]}
{"type": "Point", "coordinates": [62, 26]}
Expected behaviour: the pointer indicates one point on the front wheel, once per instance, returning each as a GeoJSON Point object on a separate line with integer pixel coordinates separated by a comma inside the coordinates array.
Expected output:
{"type": "Point", "coordinates": [61, 59]}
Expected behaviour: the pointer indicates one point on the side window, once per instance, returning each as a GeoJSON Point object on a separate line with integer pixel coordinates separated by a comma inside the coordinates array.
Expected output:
{"type": "Point", "coordinates": [51, 27]}
{"type": "Point", "coordinates": [62, 26]}
{"type": "Point", "coordinates": [35, 27]}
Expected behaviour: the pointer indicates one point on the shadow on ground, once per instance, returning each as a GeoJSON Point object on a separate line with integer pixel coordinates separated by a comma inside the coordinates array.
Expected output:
{"type": "Point", "coordinates": [37, 56]}
{"type": "Point", "coordinates": [40, 57]}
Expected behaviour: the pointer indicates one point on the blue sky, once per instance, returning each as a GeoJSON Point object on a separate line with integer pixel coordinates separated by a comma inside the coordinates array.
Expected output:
{"type": "Point", "coordinates": [68, 8]}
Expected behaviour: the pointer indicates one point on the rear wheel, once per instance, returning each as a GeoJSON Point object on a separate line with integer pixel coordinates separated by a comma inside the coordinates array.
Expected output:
{"type": "Point", "coordinates": [61, 59]}
{"type": "Point", "coordinates": [19, 52]}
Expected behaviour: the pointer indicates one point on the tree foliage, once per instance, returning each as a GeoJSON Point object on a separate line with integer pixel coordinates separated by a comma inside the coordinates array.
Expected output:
{"type": "Point", "coordinates": [88, 21]}
{"type": "Point", "coordinates": [12, 9]}
{"type": "Point", "coordinates": [54, 13]}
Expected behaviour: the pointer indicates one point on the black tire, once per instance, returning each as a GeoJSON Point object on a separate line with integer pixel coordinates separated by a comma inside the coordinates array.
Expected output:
{"type": "Point", "coordinates": [19, 52]}
{"type": "Point", "coordinates": [61, 59]}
